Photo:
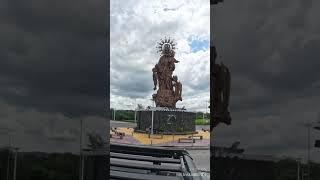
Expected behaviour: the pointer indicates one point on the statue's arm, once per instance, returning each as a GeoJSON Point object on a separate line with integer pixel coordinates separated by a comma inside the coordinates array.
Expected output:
{"type": "Point", "coordinates": [175, 61]}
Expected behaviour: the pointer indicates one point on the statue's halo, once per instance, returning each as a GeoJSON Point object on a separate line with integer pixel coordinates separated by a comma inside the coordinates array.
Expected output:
{"type": "Point", "coordinates": [161, 44]}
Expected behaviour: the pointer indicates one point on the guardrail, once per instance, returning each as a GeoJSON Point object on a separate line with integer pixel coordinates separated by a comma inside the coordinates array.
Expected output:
{"type": "Point", "coordinates": [151, 163]}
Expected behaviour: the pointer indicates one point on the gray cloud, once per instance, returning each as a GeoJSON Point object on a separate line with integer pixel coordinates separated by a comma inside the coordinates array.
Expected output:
{"type": "Point", "coordinates": [136, 27]}
{"type": "Point", "coordinates": [271, 48]}
{"type": "Point", "coordinates": [53, 66]}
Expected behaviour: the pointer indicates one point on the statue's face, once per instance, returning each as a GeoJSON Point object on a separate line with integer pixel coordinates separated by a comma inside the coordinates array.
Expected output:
{"type": "Point", "coordinates": [166, 48]}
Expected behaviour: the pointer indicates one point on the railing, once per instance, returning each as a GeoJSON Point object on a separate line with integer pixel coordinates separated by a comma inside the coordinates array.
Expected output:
{"type": "Point", "coordinates": [154, 163]}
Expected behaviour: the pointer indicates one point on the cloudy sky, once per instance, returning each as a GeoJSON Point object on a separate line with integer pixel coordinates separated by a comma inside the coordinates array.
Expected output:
{"type": "Point", "coordinates": [52, 72]}
{"type": "Point", "coordinates": [136, 27]}
{"type": "Point", "coordinates": [272, 50]}
{"type": "Point", "coordinates": [53, 66]}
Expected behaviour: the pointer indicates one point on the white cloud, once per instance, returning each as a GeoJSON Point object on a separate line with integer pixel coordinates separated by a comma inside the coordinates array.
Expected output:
{"type": "Point", "coordinates": [136, 27]}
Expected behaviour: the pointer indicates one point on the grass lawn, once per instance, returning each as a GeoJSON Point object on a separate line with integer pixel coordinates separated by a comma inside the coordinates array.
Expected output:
{"type": "Point", "coordinates": [199, 121]}
{"type": "Point", "coordinates": [202, 121]}
{"type": "Point", "coordinates": [126, 120]}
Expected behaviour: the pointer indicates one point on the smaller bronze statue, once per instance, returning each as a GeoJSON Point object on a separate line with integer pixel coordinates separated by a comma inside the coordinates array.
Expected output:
{"type": "Point", "coordinates": [177, 88]}
{"type": "Point", "coordinates": [155, 77]}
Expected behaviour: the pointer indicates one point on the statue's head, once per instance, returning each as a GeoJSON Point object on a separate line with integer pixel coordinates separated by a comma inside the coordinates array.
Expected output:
{"type": "Point", "coordinates": [166, 47]}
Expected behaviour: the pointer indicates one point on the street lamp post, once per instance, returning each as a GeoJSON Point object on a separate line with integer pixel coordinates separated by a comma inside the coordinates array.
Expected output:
{"type": "Point", "coordinates": [152, 116]}
{"type": "Point", "coordinates": [9, 148]}
{"type": "Point", "coordinates": [308, 152]}
{"type": "Point", "coordinates": [135, 110]}
{"type": "Point", "coordinates": [15, 164]}
{"type": "Point", "coordinates": [135, 115]}
{"type": "Point", "coordinates": [81, 164]}
{"type": "Point", "coordinates": [298, 169]}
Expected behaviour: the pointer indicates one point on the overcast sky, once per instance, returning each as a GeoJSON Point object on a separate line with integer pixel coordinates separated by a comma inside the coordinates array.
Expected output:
{"type": "Point", "coordinates": [52, 72]}
{"type": "Point", "coordinates": [272, 49]}
{"type": "Point", "coordinates": [53, 66]}
{"type": "Point", "coordinates": [136, 27]}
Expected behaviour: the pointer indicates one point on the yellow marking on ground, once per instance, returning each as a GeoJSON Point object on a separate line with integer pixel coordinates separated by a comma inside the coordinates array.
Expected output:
{"type": "Point", "coordinates": [143, 138]}
{"type": "Point", "coordinates": [205, 135]}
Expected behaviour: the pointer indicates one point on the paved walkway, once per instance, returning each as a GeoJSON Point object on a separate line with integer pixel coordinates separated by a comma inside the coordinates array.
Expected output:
{"type": "Point", "coordinates": [132, 137]}
{"type": "Point", "coordinates": [199, 150]}
{"type": "Point", "coordinates": [126, 140]}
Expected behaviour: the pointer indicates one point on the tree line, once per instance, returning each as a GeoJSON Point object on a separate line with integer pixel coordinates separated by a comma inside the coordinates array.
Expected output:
{"type": "Point", "coordinates": [129, 115]}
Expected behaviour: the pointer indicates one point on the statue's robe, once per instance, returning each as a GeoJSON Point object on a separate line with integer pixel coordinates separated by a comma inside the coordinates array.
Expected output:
{"type": "Point", "coordinates": [221, 90]}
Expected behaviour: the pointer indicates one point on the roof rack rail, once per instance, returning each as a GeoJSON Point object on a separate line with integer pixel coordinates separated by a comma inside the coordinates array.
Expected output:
{"type": "Point", "coordinates": [137, 162]}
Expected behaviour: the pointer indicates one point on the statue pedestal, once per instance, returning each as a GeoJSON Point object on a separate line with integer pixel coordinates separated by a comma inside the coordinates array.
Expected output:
{"type": "Point", "coordinates": [166, 121]}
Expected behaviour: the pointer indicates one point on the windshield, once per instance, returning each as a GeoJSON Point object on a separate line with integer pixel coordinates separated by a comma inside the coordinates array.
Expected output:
{"type": "Point", "coordinates": [160, 72]}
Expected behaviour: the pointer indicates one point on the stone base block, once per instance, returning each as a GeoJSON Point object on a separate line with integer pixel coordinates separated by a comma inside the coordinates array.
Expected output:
{"type": "Point", "coordinates": [166, 121]}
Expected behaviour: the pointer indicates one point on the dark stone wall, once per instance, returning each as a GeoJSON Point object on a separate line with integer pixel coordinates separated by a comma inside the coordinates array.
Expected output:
{"type": "Point", "coordinates": [4, 164]}
{"type": "Point", "coordinates": [95, 167]}
{"type": "Point", "coordinates": [233, 169]}
{"type": "Point", "coordinates": [183, 123]}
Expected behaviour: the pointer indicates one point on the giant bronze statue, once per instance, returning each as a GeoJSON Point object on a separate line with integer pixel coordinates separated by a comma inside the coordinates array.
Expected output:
{"type": "Point", "coordinates": [166, 118]}
{"type": "Point", "coordinates": [169, 88]}
{"type": "Point", "coordinates": [220, 83]}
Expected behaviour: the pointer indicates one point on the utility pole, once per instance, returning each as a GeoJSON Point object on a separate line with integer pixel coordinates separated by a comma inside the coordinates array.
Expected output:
{"type": "Point", "coordinates": [309, 151]}
{"type": "Point", "coordinates": [135, 110]}
{"type": "Point", "coordinates": [9, 149]}
{"type": "Point", "coordinates": [15, 163]}
{"type": "Point", "coordinates": [135, 115]}
{"type": "Point", "coordinates": [152, 116]}
{"type": "Point", "coordinates": [298, 168]}
{"type": "Point", "coordinates": [80, 158]}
